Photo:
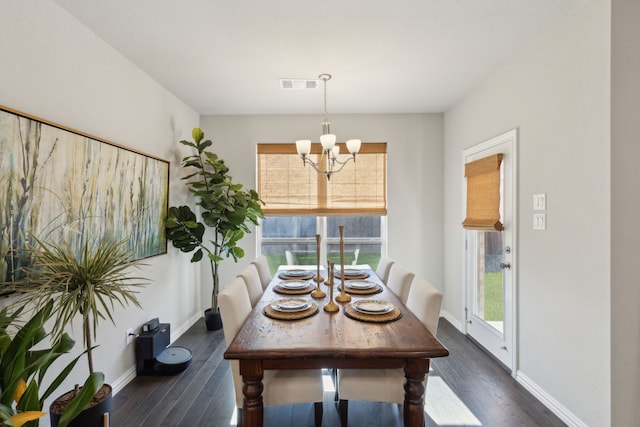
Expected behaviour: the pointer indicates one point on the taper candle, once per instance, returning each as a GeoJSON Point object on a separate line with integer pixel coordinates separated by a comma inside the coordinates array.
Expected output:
{"type": "Point", "coordinates": [343, 297]}
{"type": "Point", "coordinates": [318, 293]}
{"type": "Point", "coordinates": [318, 277]}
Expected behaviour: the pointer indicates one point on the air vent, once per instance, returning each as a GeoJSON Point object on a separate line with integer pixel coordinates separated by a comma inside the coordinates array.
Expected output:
{"type": "Point", "coordinates": [298, 84]}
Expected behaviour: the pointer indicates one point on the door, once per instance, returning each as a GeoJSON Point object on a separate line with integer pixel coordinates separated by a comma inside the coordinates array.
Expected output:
{"type": "Point", "coordinates": [490, 297]}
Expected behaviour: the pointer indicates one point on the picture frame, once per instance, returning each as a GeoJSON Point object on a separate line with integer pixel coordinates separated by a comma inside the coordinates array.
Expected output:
{"type": "Point", "coordinates": [58, 183]}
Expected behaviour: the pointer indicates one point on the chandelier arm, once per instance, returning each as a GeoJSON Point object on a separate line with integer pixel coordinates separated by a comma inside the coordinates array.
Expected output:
{"type": "Point", "coordinates": [331, 163]}
{"type": "Point", "coordinates": [351, 157]}
{"type": "Point", "coordinates": [342, 165]}
{"type": "Point", "coordinates": [315, 166]}
{"type": "Point", "coordinates": [307, 161]}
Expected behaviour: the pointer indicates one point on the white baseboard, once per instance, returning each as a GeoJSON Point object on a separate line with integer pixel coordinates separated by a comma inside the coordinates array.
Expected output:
{"type": "Point", "coordinates": [177, 333]}
{"type": "Point", "coordinates": [538, 392]}
{"type": "Point", "coordinates": [451, 319]}
{"type": "Point", "coordinates": [549, 401]}
{"type": "Point", "coordinates": [123, 380]}
{"type": "Point", "coordinates": [131, 373]}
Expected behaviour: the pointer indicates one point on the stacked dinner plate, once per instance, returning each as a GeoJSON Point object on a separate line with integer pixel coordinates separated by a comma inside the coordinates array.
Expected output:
{"type": "Point", "coordinates": [372, 306]}
{"type": "Point", "coordinates": [359, 285]}
{"type": "Point", "coordinates": [290, 305]}
{"type": "Point", "coordinates": [296, 274]}
{"type": "Point", "coordinates": [293, 284]}
{"type": "Point", "coordinates": [352, 274]}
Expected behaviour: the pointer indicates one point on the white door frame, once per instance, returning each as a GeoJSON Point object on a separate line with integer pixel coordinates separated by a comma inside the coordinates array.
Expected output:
{"type": "Point", "coordinates": [511, 138]}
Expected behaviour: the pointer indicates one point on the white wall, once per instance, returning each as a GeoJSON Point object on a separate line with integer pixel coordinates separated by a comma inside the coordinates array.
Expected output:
{"type": "Point", "coordinates": [414, 146]}
{"type": "Point", "coordinates": [556, 92]}
{"type": "Point", "coordinates": [56, 69]}
{"type": "Point", "coordinates": [625, 208]}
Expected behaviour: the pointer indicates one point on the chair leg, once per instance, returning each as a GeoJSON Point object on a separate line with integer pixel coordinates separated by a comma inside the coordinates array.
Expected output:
{"type": "Point", "coordinates": [343, 409]}
{"type": "Point", "coordinates": [318, 409]}
{"type": "Point", "coordinates": [334, 377]}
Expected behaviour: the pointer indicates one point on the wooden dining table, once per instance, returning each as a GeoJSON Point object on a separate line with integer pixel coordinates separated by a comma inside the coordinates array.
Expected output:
{"type": "Point", "coordinates": [333, 340]}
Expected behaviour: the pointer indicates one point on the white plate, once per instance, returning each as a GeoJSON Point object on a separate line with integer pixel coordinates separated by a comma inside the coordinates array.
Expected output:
{"type": "Point", "coordinates": [372, 306]}
{"type": "Point", "coordinates": [293, 284]}
{"type": "Point", "coordinates": [290, 305]}
{"type": "Point", "coordinates": [350, 272]}
{"type": "Point", "coordinates": [295, 273]}
{"type": "Point", "coordinates": [360, 284]}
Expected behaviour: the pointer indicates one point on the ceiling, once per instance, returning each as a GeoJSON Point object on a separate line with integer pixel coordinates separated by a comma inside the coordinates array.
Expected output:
{"type": "Point", "coordinates": [385, 56]}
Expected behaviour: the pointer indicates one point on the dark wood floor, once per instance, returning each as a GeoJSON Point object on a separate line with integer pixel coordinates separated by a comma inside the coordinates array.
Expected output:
{"type": "Point", "coordinates": [468, 388]}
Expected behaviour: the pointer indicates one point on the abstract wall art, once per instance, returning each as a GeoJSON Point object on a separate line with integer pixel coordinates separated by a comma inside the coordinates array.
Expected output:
{"type": "Point", "coordinates": [60, 184]}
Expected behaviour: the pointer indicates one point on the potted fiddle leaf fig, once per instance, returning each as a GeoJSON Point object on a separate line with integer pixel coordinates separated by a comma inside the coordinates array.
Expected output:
{"type": "Point", "coordinates": [86, 281]}
{"type": "Point", "coordinates": [225, 208]}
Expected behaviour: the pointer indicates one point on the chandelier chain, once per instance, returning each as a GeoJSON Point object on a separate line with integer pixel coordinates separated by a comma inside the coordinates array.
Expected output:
{"type": "Point", "coordinates": [325, 123]}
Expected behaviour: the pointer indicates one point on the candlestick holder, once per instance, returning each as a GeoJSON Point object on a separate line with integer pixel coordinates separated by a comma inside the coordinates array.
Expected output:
{"type": "Point", "coordinates": [318, 293]}
{"type": "Point", "coordinates": [331, 306]}
{"type": "Point", "coordinates": [343, 297]}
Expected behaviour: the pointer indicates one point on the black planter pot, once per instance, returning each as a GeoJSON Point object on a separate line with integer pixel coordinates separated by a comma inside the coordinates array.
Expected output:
{"type": "Point", "coordinates": [90, 417]}
{"type": "Point", "coordinates": [212, 320]}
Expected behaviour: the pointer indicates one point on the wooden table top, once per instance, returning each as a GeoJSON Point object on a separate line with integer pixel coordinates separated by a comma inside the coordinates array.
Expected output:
{"type": "Point", "coordinates": [332, 336]}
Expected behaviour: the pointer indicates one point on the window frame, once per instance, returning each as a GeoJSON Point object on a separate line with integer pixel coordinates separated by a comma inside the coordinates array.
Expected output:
{"type": "Point", "coordinates": [321, 228]}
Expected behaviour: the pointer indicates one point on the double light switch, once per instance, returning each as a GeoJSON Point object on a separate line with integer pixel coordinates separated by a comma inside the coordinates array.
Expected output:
{"type": "Point", "coordinates": [539, 218]}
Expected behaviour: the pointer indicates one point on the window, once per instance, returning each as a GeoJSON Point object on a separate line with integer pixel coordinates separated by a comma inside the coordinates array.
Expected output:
{"type": "Point", "coordinates": [292, 239]}
{"type": "Point", "coordinates": [300, 203]}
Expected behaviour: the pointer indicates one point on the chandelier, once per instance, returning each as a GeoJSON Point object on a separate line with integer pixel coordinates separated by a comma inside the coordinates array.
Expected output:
{"type": "Point", "coordinates": [330, 151]}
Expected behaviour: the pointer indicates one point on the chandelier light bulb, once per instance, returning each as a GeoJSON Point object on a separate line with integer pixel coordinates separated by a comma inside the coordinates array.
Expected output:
{"type": "Point", "coordinates": [328, 141]}
{"type": "Point", "coordinates": [303, 146]}
{"type": "Point", "coordinates": [335, 151]}
{"type": "Point", "coordinates": [353, 145]}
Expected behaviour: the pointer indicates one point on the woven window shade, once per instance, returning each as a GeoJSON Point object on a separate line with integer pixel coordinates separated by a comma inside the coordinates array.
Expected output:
{"type": "Point", "coordinates": [483, 194]}
{"type": "Point", "coordinates": [288, 188]}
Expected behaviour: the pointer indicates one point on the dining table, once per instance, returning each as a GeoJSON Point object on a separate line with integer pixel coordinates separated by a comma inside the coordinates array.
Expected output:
{"type": "Point", "coordinates": [310, 337]}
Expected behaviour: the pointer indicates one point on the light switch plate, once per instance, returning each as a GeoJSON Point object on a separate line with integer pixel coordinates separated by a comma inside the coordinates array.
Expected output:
{"type": "Point", "coordinates": [539, 221]}
{"type": "Point", "coordinates": [540, 202]}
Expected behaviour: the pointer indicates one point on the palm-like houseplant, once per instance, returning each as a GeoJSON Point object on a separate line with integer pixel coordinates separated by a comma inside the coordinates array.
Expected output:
{"type": "Point", "coordinates": [225, 207]}
{"type": "Point", "coordinates": [87, 282]}
{"type": "Point", "coordinates": [24, 363]}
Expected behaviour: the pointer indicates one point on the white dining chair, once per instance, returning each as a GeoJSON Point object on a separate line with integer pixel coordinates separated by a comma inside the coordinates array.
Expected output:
{"type": "Point", "coordinates": [387, 385]}
{"type": "Point", "coordinates": [384, 265]}
{"type": "Point", "coordinates": [288, 255]}
{"type": "Point", "coordinates": [400, 281]}
{"type": "Point", "coordinates": [280, 387]}
{"type": "Point", "coordinates": [251, 280]}
{"type": "Point", "coordinates": [262, 265]}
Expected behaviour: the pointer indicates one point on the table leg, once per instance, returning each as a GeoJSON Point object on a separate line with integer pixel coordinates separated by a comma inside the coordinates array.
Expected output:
{"type": "Point", "coordinates": [414, 372]}
{"type": "Point", "coordinates": [253, 408]}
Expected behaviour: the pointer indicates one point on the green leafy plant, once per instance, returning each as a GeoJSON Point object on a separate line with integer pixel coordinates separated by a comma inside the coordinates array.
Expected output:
{"type": "Point", "coordinates": [225, 208]}
{"type": "Point", "coordinates": [23, 368]}
{"type": "Point", "coordinates": [87, 282]}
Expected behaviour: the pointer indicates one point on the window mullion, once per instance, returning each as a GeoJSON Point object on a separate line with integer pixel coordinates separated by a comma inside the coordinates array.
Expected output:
{"type": "Point", "coordinates": [321, 227]}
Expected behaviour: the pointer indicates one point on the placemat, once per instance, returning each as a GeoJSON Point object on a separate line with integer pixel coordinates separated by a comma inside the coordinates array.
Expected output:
{"type": "Point", "coordinates": [285, 276]}
{"type": "Point", "coordinates": [288, 291]}
{"type": "Point", "coordinates": [352, 277]}
{"type": "Point", "coordinates": [391, 316]}
{"type": "Point", "coordinates": [374, 290]}
{"type": "Point", "coordinates": [275, 314]}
